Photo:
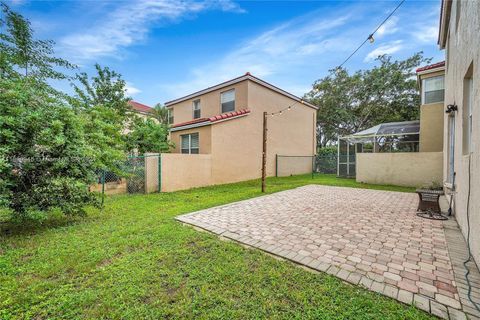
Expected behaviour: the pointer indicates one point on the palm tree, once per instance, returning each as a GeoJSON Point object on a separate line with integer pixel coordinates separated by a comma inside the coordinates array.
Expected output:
{"type": "Point", "coordinates": [161, 113]}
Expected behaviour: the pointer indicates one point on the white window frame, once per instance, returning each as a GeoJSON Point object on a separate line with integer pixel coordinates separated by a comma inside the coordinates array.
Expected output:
{"type": "Point", "coordinates": [234, 100]}
{"type": "Point", "coordinates": [195, 104]}
{"type": "Point", "coordinates": [189, 136]}
{"type": "Point", "coordinates": [424, 86]}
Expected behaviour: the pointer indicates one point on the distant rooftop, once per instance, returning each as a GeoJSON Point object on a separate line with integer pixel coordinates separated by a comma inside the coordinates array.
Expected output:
{"type": "Point", "coordinates": [437, 65]}
{"type": "Point", "coordinates": [140, 107]}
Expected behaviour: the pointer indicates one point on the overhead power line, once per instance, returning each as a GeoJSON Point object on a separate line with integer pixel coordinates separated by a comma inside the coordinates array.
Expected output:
{"type": "Point", "coordinates": [370, 37]}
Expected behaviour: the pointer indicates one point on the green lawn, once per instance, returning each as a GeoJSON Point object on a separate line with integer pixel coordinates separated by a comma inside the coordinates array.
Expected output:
{"type": "Point", "coordinates": [133, 261]}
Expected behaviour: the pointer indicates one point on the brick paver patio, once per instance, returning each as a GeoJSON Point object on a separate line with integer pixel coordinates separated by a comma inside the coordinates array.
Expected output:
{"type": "Point", "coordinates": [366, 237]}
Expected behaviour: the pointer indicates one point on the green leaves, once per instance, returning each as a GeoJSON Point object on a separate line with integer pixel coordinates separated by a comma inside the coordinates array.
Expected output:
{"type": "Point", "coordinates": [147, 135]}
{"type": "Point", "coordinates": [45, 159]}
{"type": "Point", "coordinates": [24, 55]}
{"type": "Point", "coordinates": [351, 103]}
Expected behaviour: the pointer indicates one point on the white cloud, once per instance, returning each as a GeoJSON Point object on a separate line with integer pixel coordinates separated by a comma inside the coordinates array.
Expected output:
{"type": "Point", "coordinates": [389, 27]}
{"type": "Point", "coordinates": [129, 24]}
{"type": "Point", "coordinates": [131, 90]}
{"type": "Point", "coordinates": [427, 34]}
{"type": "Point", "coordinates": [389, 48]}
{"type": "Point", "coordinates": [298, 42]}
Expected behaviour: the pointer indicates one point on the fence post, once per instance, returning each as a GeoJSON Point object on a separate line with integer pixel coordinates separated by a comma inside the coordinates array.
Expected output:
{"type": "Point", "coordinates": [276, 165]}
{"type": "Point", "coordinates": [159, 172]}
{"type": "Point", "coordinates": [313, 165]}
{"type": "Point", "coordinates": [103, 187]}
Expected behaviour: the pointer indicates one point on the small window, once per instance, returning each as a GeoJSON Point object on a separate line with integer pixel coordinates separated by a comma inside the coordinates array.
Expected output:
{"type": "Point", "coordinates": [196, 109]}
{"type": "Point", "coordinates": [228, 100]}
{"type": "Point", "coordinates": [433, 89]}
{"type": "Point", "coordinates": [190, 143]}
{"type": "Point", "coordinates": [170, 116]}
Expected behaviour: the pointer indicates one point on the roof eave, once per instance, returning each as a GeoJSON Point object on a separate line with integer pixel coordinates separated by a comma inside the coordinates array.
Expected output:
{"type": "Point", "coordinates": [235, 81]}
{"type": "Point", "coordinates": [444, 22]}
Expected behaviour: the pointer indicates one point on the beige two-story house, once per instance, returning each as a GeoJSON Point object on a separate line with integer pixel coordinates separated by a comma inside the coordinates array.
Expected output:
{"type": "Point", "coordinates": [225, 121]}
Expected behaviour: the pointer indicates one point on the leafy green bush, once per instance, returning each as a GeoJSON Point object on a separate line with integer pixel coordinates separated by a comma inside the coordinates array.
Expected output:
{"type": "Point", "coordinates": [45, 160]}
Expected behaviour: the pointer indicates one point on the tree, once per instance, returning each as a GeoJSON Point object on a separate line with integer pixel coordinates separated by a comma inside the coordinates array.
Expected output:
{"type": "Point", "coordinates": [351, 103]}
{"type": "Point", "coordinates": [22, 54]}
{"type": "Point", "coordinates": [45, 160]}
{"type": "Point", "coordinates": [161, 113]}
{"type": "Point", "coordinates": [148, 136]}
{"type": "Point", "coordinates": [106, 89]}
{"type": "Point", "coordinates": [103, 104]}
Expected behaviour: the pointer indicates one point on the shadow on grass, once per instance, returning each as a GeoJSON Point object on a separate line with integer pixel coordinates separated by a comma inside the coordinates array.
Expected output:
{"type": "Point", "coordinates": [11, 228]}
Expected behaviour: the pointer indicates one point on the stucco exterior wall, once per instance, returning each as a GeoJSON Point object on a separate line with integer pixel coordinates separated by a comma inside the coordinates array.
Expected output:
{"type": "Point", "coordinates": [463, 51]}
{"type": "Point", "coordinates": [237, 144]}
{"type": "Point", "coordinates": [204, 136]}
{"type": "Point", "coordinates": [209, 103]}
{"type": "Point", "coordinates": [185, 171]}
{"type": "Point", "coordinates": [431, 127]}
{"type": "Point", "coordinates": [151, 172]}
{"type": "Point", "coordinates": [290, 166]}
{"type": "Point", "coordinates": [412, 169]}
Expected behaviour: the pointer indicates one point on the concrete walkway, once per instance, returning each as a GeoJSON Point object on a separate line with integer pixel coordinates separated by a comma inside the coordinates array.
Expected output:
{"type": "Point", "coordinates": [366, 237]}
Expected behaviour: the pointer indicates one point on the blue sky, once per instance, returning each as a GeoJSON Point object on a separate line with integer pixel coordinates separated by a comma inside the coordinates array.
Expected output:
{"type": "Point", "coordinates": [166, 49]}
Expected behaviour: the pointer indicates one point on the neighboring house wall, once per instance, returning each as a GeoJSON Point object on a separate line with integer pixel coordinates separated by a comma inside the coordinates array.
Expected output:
{"type": "Point", "coordinates": [209, 103]}
{"type": "Point", "coordinates": [412, 169]}
{"type": "Point", "coordinates": [431, 117]}
{"type": "Point", "coordinates": [462, 63]}
{"type": "Point", "coordinates": [236, 144]}
{"type": "Point", "coordinates": [204, 136]}
{"type": "Point", "coordinates": [431, 127]}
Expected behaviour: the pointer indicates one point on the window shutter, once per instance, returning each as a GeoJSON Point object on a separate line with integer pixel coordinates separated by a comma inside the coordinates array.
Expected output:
{"type": "Point", "coordinates": [227, 100]}
{"type": "Point", "coordinates": [194, 141]}
{"type": "Point", "coordinates": [185, 142]}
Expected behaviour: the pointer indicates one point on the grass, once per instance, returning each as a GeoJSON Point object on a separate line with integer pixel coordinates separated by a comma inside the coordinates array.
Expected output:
{"type": "Point", "coordinates": [133, 261]}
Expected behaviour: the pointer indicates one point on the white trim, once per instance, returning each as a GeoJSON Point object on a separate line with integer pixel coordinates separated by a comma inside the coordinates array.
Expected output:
{"type": "Point", "coordinates": [190, 126]}
{"type": "Point", "coordinates": [235, 81]}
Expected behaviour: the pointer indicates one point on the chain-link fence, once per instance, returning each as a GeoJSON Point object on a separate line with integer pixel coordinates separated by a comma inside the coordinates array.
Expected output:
{"type": "Point", "coordinates": [326, 164]}
{"type": "Point", "coordinates": [137, 174]}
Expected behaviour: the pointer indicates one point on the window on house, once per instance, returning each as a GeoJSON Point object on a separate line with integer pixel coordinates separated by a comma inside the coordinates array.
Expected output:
{"type": "Point", "coordinates": [170, 116]}
{"type": "Point", "coordinates": [228, 100]}
{"type": "Point", "coordinates": [433, 89]}
{"type": "Point", "coordinates": [196, 109]}
{"type": "Point", "coordinates": [467, 115]}
{"type": "Point", "coordinates": [451, 148]}
{"type": "Point", "coordinates": [190, 143]}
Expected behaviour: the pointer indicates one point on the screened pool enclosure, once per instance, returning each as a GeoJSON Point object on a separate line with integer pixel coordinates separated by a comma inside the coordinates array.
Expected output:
{"type": "Point", "coordinates": [385, 137]}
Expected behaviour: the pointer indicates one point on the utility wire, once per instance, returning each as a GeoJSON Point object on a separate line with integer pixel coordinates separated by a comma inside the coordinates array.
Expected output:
{"type": "Point", "coordinates": [351, 55]}
{"type": "Point", "coordinates": [370, 37]}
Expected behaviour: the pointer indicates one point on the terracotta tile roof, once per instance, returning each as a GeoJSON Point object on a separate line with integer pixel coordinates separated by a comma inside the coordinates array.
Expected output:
{"type": "Point", "coordinates": [228, 115]}
{"type": "Point", "coordinates": [431, 66]}
{"type": "Point", "coordinates": [140, 107]}
{"type": "Point", "coordinates": [213, 119]}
